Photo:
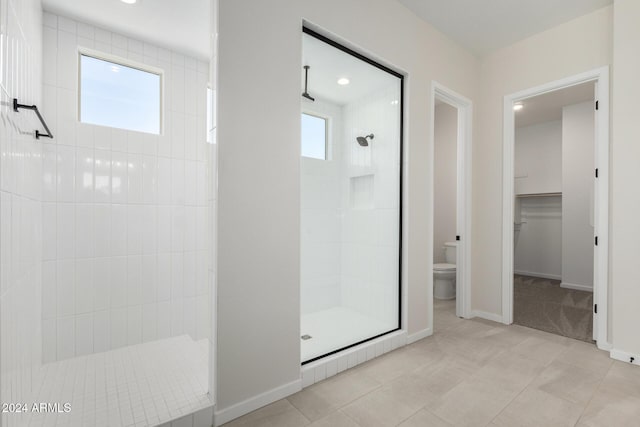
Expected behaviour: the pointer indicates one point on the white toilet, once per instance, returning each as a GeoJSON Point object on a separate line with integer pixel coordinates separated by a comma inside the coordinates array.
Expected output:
{"type": "Point", "coordinates": [444, 274]}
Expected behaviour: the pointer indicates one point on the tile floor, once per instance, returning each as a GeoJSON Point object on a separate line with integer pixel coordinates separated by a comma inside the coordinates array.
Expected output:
{"type": "Point", "coordinates": [141, 385]}
{"type": "Point", "coordinates": [470, 373]}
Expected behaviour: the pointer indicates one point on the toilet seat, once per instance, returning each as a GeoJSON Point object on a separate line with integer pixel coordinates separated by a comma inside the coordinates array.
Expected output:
{"type": "Point", "coordinates": [444, 267]}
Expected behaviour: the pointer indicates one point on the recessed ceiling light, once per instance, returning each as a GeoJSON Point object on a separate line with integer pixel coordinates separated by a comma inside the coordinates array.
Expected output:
{"type": "Point", "coordinates": [343, 81]}
{"type": "Point", "coordinates": [395, 102]}
{"type": "Point", "coordinates": [517, 107]}
{"type": "Point", "coordinates": [115, 68]}
{"type": "Point", "coordinates": [129, 1]}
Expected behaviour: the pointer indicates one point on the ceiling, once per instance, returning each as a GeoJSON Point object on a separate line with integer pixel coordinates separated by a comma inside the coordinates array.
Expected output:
{"type": "Point", "coordinates": [328, 64]}
{"type": "Point", "coordinates": [548, 107]}
{"type": "Point", "coordinates": [486, 25]}
{"type": "Point", "coordinates": [182, 26]}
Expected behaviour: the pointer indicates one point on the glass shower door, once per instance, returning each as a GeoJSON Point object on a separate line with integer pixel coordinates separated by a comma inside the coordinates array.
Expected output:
{"type": "Point", "coordinates": [350, 203]}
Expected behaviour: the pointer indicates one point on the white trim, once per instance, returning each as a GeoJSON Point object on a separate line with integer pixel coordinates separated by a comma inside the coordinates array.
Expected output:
{"type": "Point", "coordinates": [253, 403]}
{"type": "Point", "coordinates": [624, 356]}
{"type": "Point", "coordinates": [488, 316]}
{"type": "Point", "coordinates": [601, 200]}
{"type": "Point", "coordinates": [463, 194]}
{"type": "Point", "coordinates": [536, 274]}
{"type": "Point", "coordinates": [576, 287]}
{"type": "Point", "coordinates": [419, 335]}
{"type": "Point", "coordinates": [125, 62]}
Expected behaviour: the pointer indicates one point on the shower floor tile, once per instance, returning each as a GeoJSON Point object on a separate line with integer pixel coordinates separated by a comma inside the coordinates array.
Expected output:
{"type": "Point", "coordinates": [141, 385]}
{"type": "Point", "coordinates": [336, 328]}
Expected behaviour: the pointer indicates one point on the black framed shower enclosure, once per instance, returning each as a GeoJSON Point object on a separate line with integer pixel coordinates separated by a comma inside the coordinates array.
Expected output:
{"type": "Point", "coordinates": [350, 182]}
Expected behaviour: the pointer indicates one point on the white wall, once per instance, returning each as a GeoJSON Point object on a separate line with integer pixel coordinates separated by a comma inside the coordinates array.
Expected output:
{"type": "Point", "coordinates": [445, 178]}
{"type": "Point", "coordinates": [20, 205]}
{"type": "Point", "coordinates": [571, 48]}
{"type": "Point", "coordinates": [538, 169]}
{"type": "Point", "coordinates": [625, 198]}
{"type": "Point", "coordinates": [320, 218]}
{"type": "Point", "coordinates": [538, 243]}
{"type": "Point", "coordinates": [578, 148]}
{"type": "Point", "coordinates": [259, 202]}
{"type": "Point", "coordinates": [538, 158]}
{"type": "Point", "coordinates": [125, 218]}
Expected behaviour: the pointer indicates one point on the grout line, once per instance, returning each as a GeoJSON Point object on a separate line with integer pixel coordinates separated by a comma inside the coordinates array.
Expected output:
{"type": "Point", "coordinates": [593, 394]}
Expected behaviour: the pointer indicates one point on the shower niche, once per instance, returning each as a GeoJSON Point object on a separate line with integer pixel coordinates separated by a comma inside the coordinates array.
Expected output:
{"type": "Point", "coordinates": [351, 150]}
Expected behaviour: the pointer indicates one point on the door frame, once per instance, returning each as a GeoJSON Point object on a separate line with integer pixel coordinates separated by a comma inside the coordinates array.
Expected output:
{"type": "Point", "coordinates": [464, 106]}
{"type": "Point", "coordinates": [601, 195]}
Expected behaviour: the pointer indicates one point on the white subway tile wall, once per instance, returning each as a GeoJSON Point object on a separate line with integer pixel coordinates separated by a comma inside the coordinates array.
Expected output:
{"type": "Point", "coordinates": [21, 208]}
{"type": "Point", "coordinates": [126, 218]}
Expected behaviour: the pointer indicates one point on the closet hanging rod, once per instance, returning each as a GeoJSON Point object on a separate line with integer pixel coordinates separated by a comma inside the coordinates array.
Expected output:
{"type": "Point", "coordinates": [34, 108]}
{"type": "Point", "coordinates": [539, 195]}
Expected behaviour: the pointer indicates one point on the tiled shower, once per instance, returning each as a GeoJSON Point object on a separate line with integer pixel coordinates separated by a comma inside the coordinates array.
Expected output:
{"type": "Point", "coordinates": [105, 245]}
{"type": "Point", "coordinates": [125, 214]}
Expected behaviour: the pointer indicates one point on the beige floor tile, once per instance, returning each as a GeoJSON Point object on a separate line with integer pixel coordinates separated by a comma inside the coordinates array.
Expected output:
{"type": "Point", "coordinates": [424, 418]}
{"type": "Point", "coordinates": [472, 349]}
{"type": "Point", "coordinates": [470, 329]}
{"type": "Point", "coordinates": [335, 419]}
{"type": "Point", "coordinates": [471, 373]}
{"type": "Point", "coordinates": [586, 356]}
{"type": "Point", "coordinates": [321, 399]}
{"type": "Point", "coordinates": [623, 376]}
{"type": "Point", "coordinates": [411, 389]}
{"type": "Point", "coordinates": [612, 408]}
{"type": "Point", "coordinates": [473, 402]}
{"type": "Point", "coordinates": [278, 414]}
{"type": "Point", "coordinates": [568, 382]}
{"type": "Point", "coordinates": [444, 376]}
{"type": "Point", "coordinates": [506, 336]}
{"type": "Point", "coordinates": [541, 348]}
{"type": "Point", "coordinates": [510, 372]}
{"type": "Point", "coordinates": [395, 364]}
{"type": "Point", "coordinates": [380, 408]}
{"type": "Point", "coordinates": [533, 408]}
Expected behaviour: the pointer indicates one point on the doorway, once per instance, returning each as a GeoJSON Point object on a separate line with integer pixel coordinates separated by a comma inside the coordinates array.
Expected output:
{"type": "Point", "coordinates": [526, 196]}
{"type": "Point", "coordinates": [451, 121]}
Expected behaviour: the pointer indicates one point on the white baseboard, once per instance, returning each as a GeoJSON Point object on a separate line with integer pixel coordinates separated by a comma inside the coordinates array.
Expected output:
{"type": "Point", "coordinates": [488, 316]}
{"type": "Point", "coordinates": [605, 346]}
{"type": "Point", "coordinates": [419, 335]}
{"type": "Point", "coordinates": [576, 287]}
{"type": "Point", "coordinates": [536, 274]}
{"type": "Point", "coordinates": [624, 356]}
{"type": "Point", "coordinates": [253, 403]}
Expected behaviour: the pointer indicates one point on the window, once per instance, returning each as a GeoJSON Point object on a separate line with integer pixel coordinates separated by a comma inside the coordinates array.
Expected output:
{"type": "Point", "coordinates": [119, 96]}
{"type": "Point", "coordinates": [314, 137]}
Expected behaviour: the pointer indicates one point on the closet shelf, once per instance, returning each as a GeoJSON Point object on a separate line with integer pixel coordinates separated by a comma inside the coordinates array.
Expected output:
{"type": "Point", "coordinates": [539, 195]}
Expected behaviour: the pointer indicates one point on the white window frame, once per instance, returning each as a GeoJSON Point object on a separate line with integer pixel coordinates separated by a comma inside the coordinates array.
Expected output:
{"type": "Point", "coordinates": [327, 129]}
{"type": "Point", "coordinates": [118, 60]}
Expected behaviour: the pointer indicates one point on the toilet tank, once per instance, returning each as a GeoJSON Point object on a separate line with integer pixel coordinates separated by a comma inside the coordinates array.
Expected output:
{"type": "Point", "coordinates": [450, 252]}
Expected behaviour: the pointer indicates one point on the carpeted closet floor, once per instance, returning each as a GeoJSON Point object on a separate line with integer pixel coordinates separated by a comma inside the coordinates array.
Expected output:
{"type": "Point", "coordinates": [542, 304]}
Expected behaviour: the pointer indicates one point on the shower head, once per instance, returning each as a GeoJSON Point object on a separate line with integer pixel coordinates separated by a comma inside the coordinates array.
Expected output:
{"type": "Point", "coordinates": [362, 140]}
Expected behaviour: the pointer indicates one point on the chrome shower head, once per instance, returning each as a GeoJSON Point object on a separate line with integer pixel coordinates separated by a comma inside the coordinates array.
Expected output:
{"type": "Point", "coordinates": [362, 140]}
